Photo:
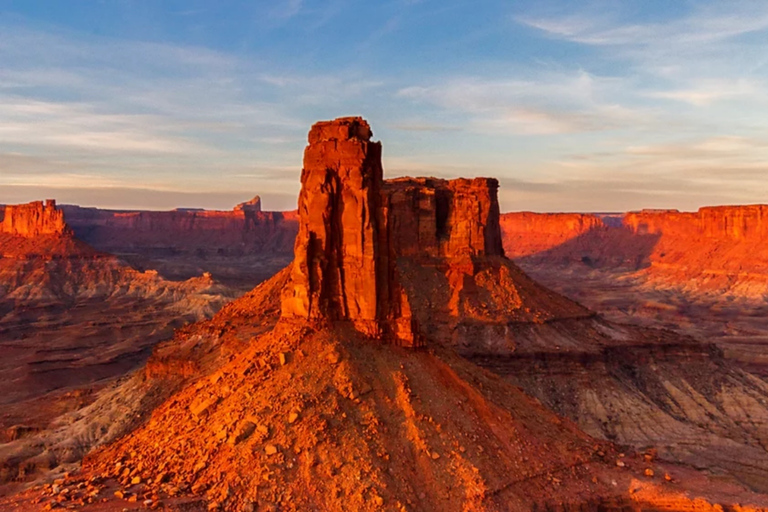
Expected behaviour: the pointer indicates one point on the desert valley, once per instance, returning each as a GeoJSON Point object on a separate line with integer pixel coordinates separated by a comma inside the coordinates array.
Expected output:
{"type": "Point", "coordinates": [392, 344]}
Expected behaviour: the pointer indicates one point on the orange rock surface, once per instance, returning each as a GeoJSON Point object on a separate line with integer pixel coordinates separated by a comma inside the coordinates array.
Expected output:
{"type": "Point", "coordinates": [527, 233]}
{"type": "Point", "coordinates": [33, 219]}
{"type": "Point", "coordinates": [339, 270]}
{"type": "Point", "coordinates": [720, 248]}
{"type": "Point", "coordinates": [370, 251]}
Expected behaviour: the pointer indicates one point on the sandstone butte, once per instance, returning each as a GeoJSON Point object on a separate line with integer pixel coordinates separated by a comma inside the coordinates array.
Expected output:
{"type": "Point", "coordinates": [315, 391]}
{"type": "Point", "coordinates": [33, 219]}
{"type": "Point", "coordinates": [38, 230]}
{"type": "Point", "coordinates": [367, 248]}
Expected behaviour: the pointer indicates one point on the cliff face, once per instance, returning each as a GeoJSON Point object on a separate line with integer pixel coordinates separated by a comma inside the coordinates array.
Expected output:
{"type": "Point", "coordinates": [406, 259]}
{"type": "Point", "coordinates": [735, 223]}
{"type": "Point", "coordinates": [442, 218]}
{"type": "Point", "coordinates": [339, 270]}
{"type": "Point", "coordinates": [241, 247]}
{"type": "Point", "coordinates": [183, 229]}
{"type": "Point", "coordinates": [714, 240]}
{"type": "Point", "coordinates": [527, 233]}
{"type": "Point", "coordinates": [33, 219]}
{"type": "Point", "coordinates": [703, 273]}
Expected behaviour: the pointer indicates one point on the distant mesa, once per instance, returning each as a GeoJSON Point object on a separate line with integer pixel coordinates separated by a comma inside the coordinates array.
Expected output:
{"type": "Point", "coordinates": [254, 205]}
{"type": "Point", "coordinates": [722, 247]}
{"type": "Point", "coordinates": [33, 219]}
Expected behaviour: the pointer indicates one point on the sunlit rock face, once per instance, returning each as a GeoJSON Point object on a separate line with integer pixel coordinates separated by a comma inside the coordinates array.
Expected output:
{"type": "Point", "coordinates": [443, 218]}
{"type": "Point", "coordinates": [338, 270]}
{"type": "Point", "coordinates": [33, 219]}
{"type": "Point", "coordinates": [404, 258]}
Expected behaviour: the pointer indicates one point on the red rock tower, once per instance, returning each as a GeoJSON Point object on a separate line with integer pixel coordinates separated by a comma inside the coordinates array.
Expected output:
{"type": "Point", "coordinates": [405, 260]}
{"type": "Point", "coordinates": [338, 271]}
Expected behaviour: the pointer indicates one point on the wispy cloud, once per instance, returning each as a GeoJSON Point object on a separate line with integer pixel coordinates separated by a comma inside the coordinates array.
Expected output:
{"type": "Point", "coordinates": [115, 113]}
{"type": "Point", "coordinates": [698, 58]}
{"type": "Point", "coordinates": [556, 103]}
{"type": "Point", "coordinates": [287, 8]}
{"type": "Point", "coordinates": [714, 22]}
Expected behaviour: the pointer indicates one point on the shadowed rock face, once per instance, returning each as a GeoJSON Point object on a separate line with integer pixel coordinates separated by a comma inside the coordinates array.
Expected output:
{"type": "Point", "coordinates": [240, 247]}
{"type": "Point", "coordinates": [33, 219]}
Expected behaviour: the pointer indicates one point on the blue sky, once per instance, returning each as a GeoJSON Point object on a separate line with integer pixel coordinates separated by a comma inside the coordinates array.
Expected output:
{"type": "Point", "coordinates": [574, 106]}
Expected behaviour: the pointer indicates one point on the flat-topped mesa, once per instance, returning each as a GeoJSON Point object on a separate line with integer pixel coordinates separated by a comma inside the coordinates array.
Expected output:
{"type": "Point", "coordinates": [33, 219]}
{"type": "Point", "coordinates": [443, 218]}
{"type": "Point", "coordinates": [740, 223]}
{"type": "Point", "coordinates": [338, 272]}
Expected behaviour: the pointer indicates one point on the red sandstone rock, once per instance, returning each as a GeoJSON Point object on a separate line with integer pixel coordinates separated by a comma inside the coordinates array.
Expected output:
{"type": "Point", "coordinates": [441, 218]}
{"type": "Point", "coordinates": [33, 219]}
{"type": "Point", "coordinates": [243, 246]}
{"type": "Point", "coordinates": [527, 233]}
{"type": "Point", "coordinates": [721, 245]}
{"type": "Point", "coordinates": [338, 270]}
{"type": "Point", "coordinates": [392, 255]}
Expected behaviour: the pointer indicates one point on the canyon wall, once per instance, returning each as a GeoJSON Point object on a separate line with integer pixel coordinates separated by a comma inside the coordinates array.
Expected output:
{"type": "Point", "coordinates": [240, 247]}
{"type": "Point", "coordinates": [527, 233]}
{"type": "Point", "coordinates": [184, 229]}
{"type": "Point", "coordinates": [735, 223]}
{"type": "Point", "coordinates": [718, 239]}
{"type": "Point", "coordinates": [32, 219]}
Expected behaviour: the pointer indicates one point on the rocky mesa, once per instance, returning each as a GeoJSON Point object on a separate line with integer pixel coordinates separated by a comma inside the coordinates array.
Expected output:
{"type": "Point", "coordinates": [241, 247]}
{"type": "Point", "coordinates": [368, 249]}
{"type": "Point", "coordinates": [33, 219]}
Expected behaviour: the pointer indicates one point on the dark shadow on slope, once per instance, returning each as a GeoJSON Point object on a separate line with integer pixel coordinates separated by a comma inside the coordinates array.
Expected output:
{"type": "Point", "coordinates": [601, 247]}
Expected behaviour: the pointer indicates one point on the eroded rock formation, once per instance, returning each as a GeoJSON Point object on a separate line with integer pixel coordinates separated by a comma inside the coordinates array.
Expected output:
{"type": "Point", "coordinates": [339, 269]}
{"type": "Point", "coordinates": [401, 259]}
{"type": "Point", "coordinates": [33, 219]}
{"type": "Point", "coordinates": [441, 218]}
